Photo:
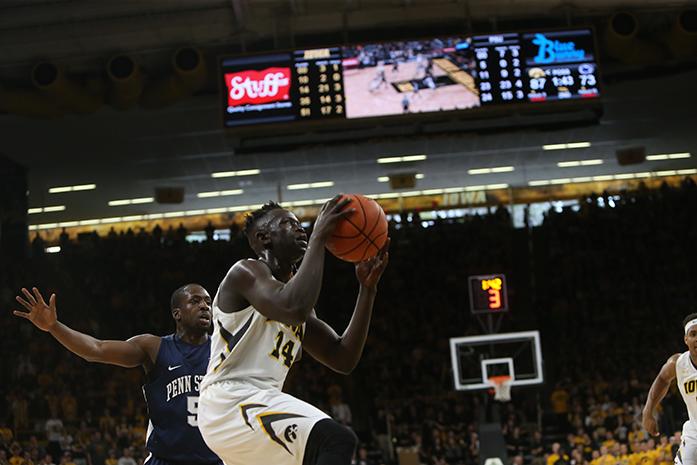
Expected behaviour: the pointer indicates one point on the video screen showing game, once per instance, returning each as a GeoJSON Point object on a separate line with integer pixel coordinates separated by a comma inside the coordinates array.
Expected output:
{"type": "Point", "coordinates": [415, 76]}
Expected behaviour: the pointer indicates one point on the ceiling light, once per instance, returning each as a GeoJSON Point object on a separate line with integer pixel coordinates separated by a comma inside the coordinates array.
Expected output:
{"type": "Point", "coordinates": [387, 178]}
{"type": "Point", "coordinates": [53, 208]}
{"type": "Point", "coordinates": [79, 187]}
{"type": "Point", "coordinates": [139, 200]}
{"type": "Point", "coordinates": [203, 195]}
{"type": "Point", "coordinates": [311, 185]}
{"type": "Point", "coordinates": [668, 156]}
{"type": "Point", "coordinates": [574, 163]}
{"type": "Point", "coordinates": [570, 145]}
{"type": "Point", "coordinates": [88, 222]}
{"type": "Point", "coordinates": [407, 158]}
{"type": "Point", "coordinates": [229, 174]}
{"type": "Point", "coordinates": [496, 169]}
{"type": "Point", "coordinates": [142, 200]}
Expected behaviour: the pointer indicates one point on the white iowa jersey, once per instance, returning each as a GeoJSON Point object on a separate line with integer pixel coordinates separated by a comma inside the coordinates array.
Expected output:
{"type": "Point", "coordinates": [687, 383]}
{"type": "Point", "coordinates": [246, 346]}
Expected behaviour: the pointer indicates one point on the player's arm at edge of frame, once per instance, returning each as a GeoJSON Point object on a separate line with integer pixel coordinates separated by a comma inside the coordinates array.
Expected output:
{"type": "Point", "coordinates": [658, 390]}
{"type": "Point", "coordinates": [140, 350]}
{"type": "Point", "coordinates": [137, 351]}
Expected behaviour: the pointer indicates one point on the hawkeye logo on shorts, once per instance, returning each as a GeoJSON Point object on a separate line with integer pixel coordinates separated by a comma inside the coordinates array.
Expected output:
{"type": "Point", "coordinates": [266, 420]}
{"type": "Point", "coordinates": [290, 433]}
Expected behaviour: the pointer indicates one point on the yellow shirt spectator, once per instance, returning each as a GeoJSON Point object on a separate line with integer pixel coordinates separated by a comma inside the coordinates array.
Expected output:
{"type": "Point", "coordinates": [560, 400]}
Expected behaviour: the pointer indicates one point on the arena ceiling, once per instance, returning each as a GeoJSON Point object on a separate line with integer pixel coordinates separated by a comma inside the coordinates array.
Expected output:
{"type": "Point", "coordinates": [127, 154]}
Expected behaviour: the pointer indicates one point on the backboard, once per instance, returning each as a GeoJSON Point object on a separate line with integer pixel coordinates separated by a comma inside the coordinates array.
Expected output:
{"type": "Point", "coordinates": [477, 358]}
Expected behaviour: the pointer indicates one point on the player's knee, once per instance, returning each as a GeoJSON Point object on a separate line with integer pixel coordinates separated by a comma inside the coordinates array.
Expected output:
{"type": "Point", "coordinates": [346, 437]}
{"type": "Point", "coordinates": [330, 434]}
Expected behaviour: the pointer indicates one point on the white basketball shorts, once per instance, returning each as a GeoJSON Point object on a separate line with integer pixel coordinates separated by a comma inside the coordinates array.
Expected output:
{"type": "Point", "coordinates": [247, 425]}
{"type": "Point", "coordinates": [687, 454]}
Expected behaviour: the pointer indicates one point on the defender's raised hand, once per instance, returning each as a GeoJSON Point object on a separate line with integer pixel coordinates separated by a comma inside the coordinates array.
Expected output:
{"type": "Point", "coordinates": [369, 271]}
{"type": "Point", "coordinates": [328, 216]}
{"type": "Point", "coordinates": [40, 313]}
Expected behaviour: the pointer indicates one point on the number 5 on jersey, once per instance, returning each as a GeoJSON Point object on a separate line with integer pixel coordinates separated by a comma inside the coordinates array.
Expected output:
{"type": "Point", "coordinates": [286, 352]}
{"type": "Point", "coordinates": [192, 408]}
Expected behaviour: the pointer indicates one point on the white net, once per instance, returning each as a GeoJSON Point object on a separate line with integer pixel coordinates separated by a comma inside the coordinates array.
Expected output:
{"type": "Point", "coordinates": [502, 388]}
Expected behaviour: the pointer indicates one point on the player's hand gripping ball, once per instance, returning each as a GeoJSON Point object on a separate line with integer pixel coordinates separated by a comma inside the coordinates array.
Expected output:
{"type": "Point", "coordinates": [362, 234]}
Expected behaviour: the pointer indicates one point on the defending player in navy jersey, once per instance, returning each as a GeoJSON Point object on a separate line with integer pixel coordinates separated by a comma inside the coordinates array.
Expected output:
{"type": "Point", "coordinates": [684, 368]}
{"type": "Point", "coordinates": [174, 367]}
{"type": "Point", "coordinates": [264, 318]}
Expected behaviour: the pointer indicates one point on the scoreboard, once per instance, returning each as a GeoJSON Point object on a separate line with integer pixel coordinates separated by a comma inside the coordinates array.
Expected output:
{"type": "Point", "coordinates": [419, 76]}
{"type": "Point", "coordinates": [488, 294]}
{"type": "Point", "coordinates": [320, 84]}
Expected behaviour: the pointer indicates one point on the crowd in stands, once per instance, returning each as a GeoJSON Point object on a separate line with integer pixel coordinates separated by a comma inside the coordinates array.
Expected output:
{"type": "Point", "coordinates": [607, 284]}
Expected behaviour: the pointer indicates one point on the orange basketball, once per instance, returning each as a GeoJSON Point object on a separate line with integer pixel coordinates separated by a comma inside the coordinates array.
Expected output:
{"type": "Point", "coordinates": [360, 235]}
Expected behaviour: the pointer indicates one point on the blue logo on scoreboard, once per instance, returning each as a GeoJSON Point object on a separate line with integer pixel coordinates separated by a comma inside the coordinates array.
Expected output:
{"type": "Point", "coordinates": [555, 51]}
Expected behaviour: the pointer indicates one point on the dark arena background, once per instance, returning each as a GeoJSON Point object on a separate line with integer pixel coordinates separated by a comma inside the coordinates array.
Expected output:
{"type": "Point", "coordinates": [536, 160]}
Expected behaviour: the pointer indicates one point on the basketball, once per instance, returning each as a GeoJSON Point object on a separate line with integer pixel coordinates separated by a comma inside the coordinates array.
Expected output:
{"type": "Point", "coordinates": [360, 235]}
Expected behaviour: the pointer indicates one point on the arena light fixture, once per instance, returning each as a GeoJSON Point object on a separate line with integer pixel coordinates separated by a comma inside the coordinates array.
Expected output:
{"type": "Point", "coordinates": [610, 177]}
{"type": "Point", "coordinates": [570, 145]}
{"type": "Point", "coordinates": [387, 178]}
{"type": "Point", "coordinates": [407, 158]}
{"type": "Point", "coordinates": [139, 200]}
{"type": "Point", "coordinates": [495, 169]}
{"type": "Point", "coordinates": [78, 187]}
{"type": "Point", "coordinates": [229, 174]}
{"type": "Point", "coordinates": [575, 163]}
{"type": "Point", "coordinates": [203, 195]}
{"type": "Point", "coordinates": [668, 156]}
{"type": "Point", "coordinates": [310, 185]}
{"type": "Point", "coordinates": [52, 208]}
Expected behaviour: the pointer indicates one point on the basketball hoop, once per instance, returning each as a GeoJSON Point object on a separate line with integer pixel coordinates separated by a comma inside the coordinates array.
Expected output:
{"type": "Point", "coordinates": [502, 387]}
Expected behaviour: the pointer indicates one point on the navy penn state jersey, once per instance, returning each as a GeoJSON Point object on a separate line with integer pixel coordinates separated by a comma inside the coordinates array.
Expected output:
{"type": "Point", "coordinates": [171, 393]}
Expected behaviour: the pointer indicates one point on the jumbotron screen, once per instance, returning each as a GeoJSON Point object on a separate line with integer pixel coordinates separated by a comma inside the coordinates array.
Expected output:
{"type": "Point", "coordinates": [418, 76]}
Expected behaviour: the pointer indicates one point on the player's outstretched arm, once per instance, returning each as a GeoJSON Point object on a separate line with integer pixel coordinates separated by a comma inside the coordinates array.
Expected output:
{"type": "Point", "coordinates": [292, 302]}
{"type": "Point", "coordinates": [134, 352]}
{"type": "Point", "coordinates": [342, 353]}
{"type": "Point", "coordinates": [658, 391]}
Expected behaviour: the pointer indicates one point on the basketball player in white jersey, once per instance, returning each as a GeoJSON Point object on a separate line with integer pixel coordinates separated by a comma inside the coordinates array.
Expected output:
{"type": "Point", "coordinates": [263, 313]}
{"type": "Point", "coordinates": [684, 368]}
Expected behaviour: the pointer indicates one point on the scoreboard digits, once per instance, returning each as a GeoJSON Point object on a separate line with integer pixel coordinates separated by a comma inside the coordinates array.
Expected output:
{"type": "Point", "coordinates": [488, 294]}
{"type": "Point", "coordinates": [499, 67]}
{"type": "Point", "coordinates": [320, 83]}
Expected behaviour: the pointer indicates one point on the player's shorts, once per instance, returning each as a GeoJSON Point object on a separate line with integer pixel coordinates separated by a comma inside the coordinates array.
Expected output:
{"type": "Point", "coordinates": [687, 453]}
{"type": "Point", "coordinates": [245, 424]}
